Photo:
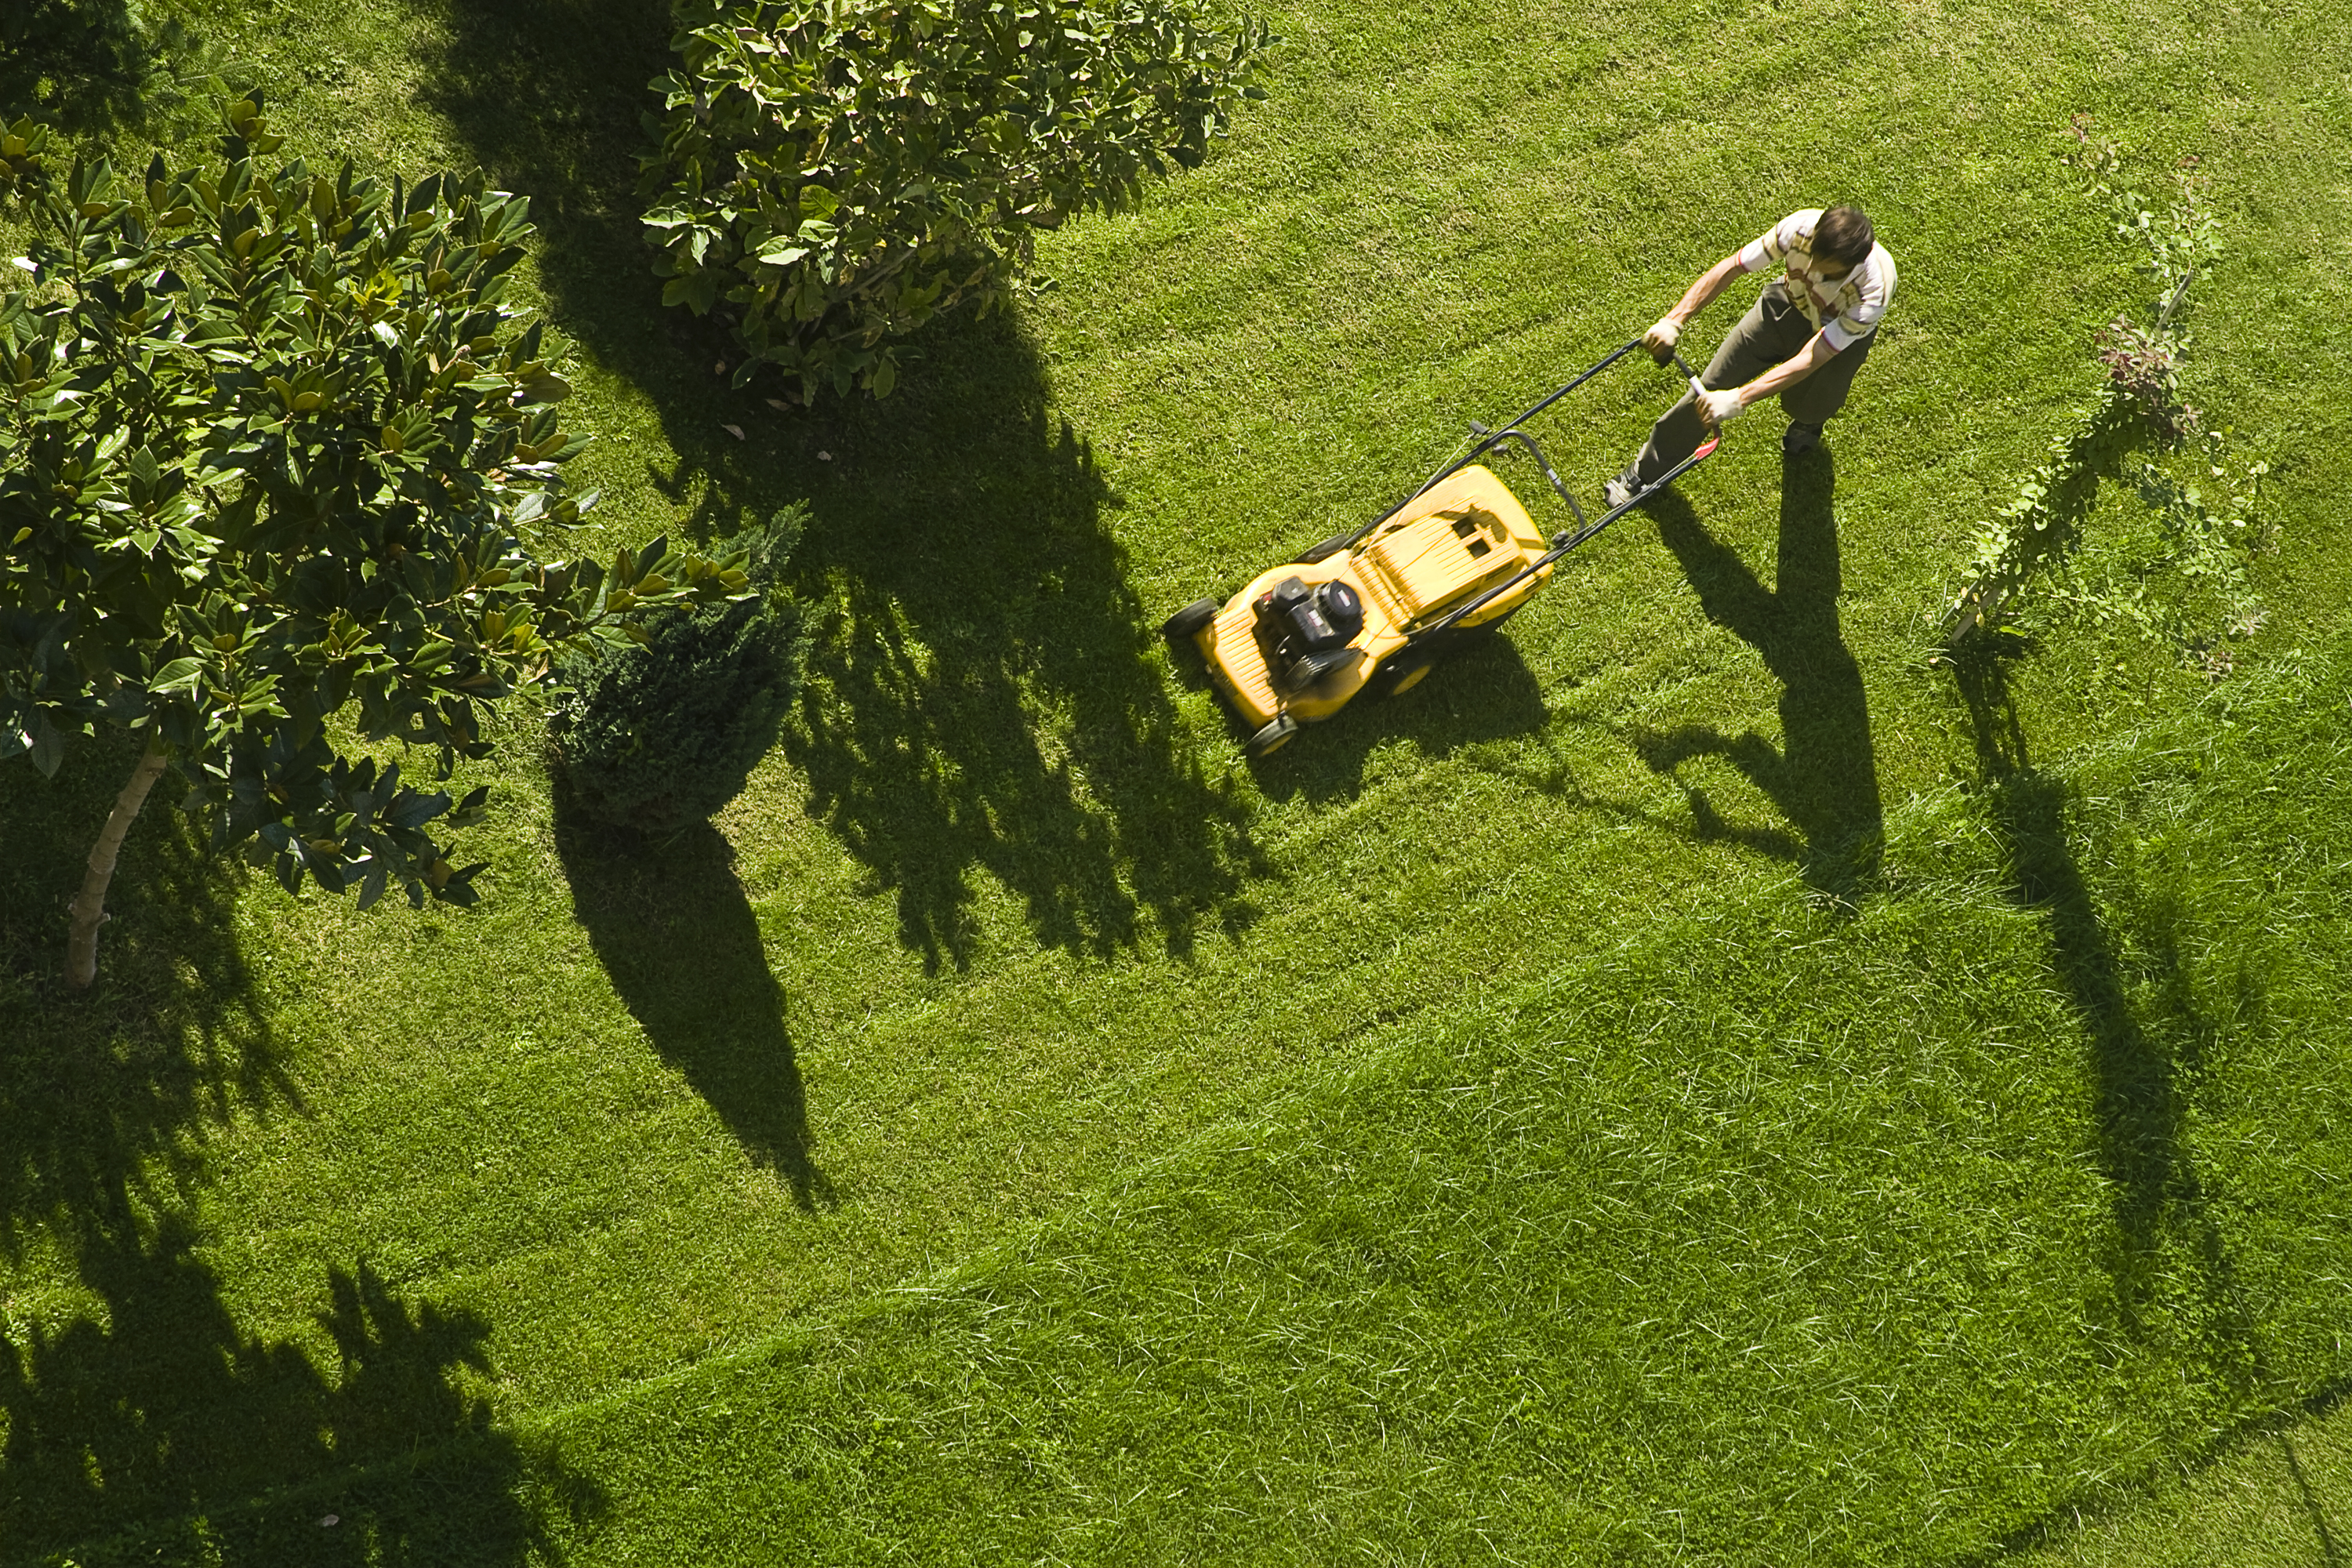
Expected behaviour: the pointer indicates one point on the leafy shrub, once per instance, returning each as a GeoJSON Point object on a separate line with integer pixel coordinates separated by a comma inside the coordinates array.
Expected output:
{"type": "Point", "coordinates": [832, 174]}
{"type": "Point", "coordinates": [656, 736]}
{"type": "Point", "coordinates": [270, 443]}
{"type": "Point", "coordinates": [2040, 529]}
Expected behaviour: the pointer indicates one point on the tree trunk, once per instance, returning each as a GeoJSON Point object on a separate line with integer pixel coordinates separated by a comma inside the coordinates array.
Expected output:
{"type": "Point", "coordinates": [89, 907]}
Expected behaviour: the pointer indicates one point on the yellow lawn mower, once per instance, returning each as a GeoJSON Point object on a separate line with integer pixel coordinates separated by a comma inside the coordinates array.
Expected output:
{"type": "Point", "coordinates": [1376, 608]}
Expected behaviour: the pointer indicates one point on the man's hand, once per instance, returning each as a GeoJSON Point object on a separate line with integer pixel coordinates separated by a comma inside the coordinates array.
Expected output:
{"type": "Point", "coordinates": [1661, 339]}
{"type": "Point", "coordinates": [1719, 408]}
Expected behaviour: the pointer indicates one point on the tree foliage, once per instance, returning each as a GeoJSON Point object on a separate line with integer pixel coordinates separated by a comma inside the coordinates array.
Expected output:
{"type": "Point", "coordinates": [832, 174]}
{"type": "Point", "coordinates": [270, 443]}
{"type": "Point", "coordinates": [656, 736]}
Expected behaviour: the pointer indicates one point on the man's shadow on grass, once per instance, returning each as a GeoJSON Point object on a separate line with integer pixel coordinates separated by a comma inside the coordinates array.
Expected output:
{"type": "Point", "coordinates": [677, 936]}
{"type": "Point", "coordinates": [1824, 776]}
{"type": "Point", "coordinates": [983, 692]}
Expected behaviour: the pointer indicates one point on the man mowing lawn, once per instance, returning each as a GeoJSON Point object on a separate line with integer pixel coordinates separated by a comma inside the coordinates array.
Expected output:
{"type": "Point", "coordinates": [1803, 338]}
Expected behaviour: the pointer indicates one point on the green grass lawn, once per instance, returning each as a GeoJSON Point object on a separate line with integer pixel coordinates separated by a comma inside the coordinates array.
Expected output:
{"type": "Point", "coordinates": [1689, 1082]}
{"type": "Point", "coordinates": [2281, 1499]}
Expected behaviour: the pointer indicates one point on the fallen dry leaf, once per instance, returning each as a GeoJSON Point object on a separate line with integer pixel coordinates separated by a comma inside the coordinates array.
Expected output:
{"type": "Point", "coordinates": [734, 430]}
{"type": "Point", "coordinates": [780, 405]}
{"type": "Point", "coordinates": [824, 457]}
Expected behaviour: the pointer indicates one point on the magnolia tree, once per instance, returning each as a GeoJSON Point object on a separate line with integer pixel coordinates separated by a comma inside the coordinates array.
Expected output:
{"type": "Point", "coordinates": [270, 443]}
{"type": "Point", "coordinates": [832, 174]}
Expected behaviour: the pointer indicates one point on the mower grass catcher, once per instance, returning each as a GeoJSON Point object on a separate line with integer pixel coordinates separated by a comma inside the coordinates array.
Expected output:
{"type": "Point", "coordinates": [1375, 608]}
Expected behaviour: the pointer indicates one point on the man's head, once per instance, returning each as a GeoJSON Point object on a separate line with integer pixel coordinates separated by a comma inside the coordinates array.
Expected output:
{"type": "Point", "coordinates": [1842, 241]}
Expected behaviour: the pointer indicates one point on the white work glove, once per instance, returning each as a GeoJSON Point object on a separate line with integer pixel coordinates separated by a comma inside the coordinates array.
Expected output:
{"type": "Point", "coordinates": [1661, 339]}
{"type": "Point", "coordinates": [1718, 409]}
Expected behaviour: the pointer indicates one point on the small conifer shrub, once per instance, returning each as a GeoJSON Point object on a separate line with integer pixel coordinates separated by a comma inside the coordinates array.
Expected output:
{"type": "Point", "coordinates": [657, 735]}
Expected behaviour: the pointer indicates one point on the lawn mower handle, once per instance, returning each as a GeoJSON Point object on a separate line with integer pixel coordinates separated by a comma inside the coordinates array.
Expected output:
{"type": "Point", "coordinates": [1569, 539]}
{"type": "Point", "coordinates": [1489, 440]}
{"type": "Point", "coordinates": [1562, 544]}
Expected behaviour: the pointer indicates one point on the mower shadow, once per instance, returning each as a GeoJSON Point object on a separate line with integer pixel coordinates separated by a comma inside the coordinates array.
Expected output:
{"type": "Point", "coordinates": [1824, 776]}
{"type": "Point", "coordinates": [677, 936]}
{"type": "Point", "coordinates": [982, 694]}
{"type": "Point", "coordinates": [1483, 692]}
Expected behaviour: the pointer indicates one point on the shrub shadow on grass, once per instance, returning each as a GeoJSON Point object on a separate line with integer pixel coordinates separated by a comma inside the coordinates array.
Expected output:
{"type": "Point", "coordinates": [2143, 1053]}
{"type": "Point", "coordinates": [108, 1092]}
{"type": "Point", "coordinates": [2149, 1035]}
{"type": "Point", "coordinates": [164, 1432]}
{"type": "Point", "coordinates": [677, 936]}
{"type": "Point", "coordinates": [982, 694]}
{"type": "Point", "coordinates": [1824, 776]}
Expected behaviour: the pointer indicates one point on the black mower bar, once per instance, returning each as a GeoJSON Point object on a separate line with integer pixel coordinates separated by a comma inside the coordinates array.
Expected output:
{"type": "Point", "coordinates": [1490, 440]}
{"type": "Point", "coordinates": [1561, 543]}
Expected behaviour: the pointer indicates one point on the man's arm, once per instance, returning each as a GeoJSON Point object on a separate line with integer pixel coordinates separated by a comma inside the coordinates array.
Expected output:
{"type": "Point", "coordinates": [1711, 282]}
{"type": "Point", "coordinates": [1716, 408]}
{"type": "Point", "coordinates": [1789, 372]}
{"type": "Point", "coordinates": [1701, 294]}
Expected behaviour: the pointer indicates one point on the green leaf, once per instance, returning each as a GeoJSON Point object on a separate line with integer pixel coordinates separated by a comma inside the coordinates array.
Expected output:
{"type": "Point", "coordinates": [49, 747]}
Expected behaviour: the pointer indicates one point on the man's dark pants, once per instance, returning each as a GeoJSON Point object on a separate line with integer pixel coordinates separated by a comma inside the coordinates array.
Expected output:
{"type": "Point", "coordinates": [1773, 332]}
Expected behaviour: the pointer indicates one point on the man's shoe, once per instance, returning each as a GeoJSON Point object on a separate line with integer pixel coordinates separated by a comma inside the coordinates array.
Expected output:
{"type": "Point", "coordinates": [1799, 438]}
{"type": "Point", "coordinates": [1618, 491]}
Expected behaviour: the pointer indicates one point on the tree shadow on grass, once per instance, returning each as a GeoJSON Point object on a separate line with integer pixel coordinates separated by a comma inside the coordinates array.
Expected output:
{"type": "Point", "coordinates": [162, 1431]}
{"type": "Point", "coordinates": [108, 1092]}
{"type": "Point", "coordinates": [122, 1426]}
{"type": "Point", "coordinates": [88, 64]}
{"type": "Point", "coordinates": [982, 692]}
{"type": "Point", "coordinates": [676, 934]}
{"type": "Point", "coordinates": [1824, 776]}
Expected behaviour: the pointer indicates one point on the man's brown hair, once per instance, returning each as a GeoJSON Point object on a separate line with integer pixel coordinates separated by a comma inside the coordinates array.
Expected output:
{"type": "Point", "coordinates": [1845, 235]}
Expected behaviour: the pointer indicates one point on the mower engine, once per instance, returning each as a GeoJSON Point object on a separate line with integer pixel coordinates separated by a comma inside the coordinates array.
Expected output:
{"type": "Point", "coordinates": [1304, 632]}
